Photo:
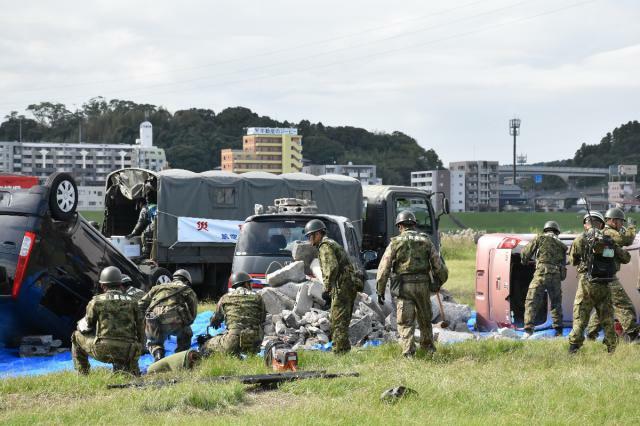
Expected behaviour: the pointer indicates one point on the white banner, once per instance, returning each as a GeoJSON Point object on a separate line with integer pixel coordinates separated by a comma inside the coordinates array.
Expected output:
{"type": "Point", "coordinates": [199, 230]}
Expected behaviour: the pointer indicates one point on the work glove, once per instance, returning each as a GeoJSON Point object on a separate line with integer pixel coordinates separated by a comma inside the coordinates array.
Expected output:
{"type": "Point", "coordinates": [381, 299]}
{"type": "Point", "coordinates": [326, 296]}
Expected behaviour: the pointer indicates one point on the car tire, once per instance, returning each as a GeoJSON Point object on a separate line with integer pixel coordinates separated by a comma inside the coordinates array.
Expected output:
{"type": "Point", "coordinates": [159, 275]}
{"type": "Point", "coordinates": [63, 195]}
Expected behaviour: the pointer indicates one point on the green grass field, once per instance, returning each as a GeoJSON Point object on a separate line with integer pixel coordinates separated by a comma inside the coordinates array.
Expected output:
{"type": "Point", "coordinates": [476, 382]}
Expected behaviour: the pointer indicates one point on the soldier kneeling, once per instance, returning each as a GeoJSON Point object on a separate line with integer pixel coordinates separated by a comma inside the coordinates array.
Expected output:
{"type": "Point", "coordinates": [244, 312]}
{"type": "Point", "coordinates": [112, 329]}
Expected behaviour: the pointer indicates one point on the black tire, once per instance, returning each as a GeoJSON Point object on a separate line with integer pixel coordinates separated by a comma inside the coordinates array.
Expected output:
{"type": "Point", "coordinates": [159, 275]}
{"type": "Point", "coordinates": [63, 195]}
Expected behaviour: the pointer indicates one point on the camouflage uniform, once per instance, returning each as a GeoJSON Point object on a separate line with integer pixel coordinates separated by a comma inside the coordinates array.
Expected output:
{"type": "Point", "coordinates": [592, 294]}
{"type": "Point", "coordinates": [412, 258]}
{"type": "Point", "coordinates": [146, 226]}
{"type": "Point", "coordinates": [169, 310]}
{"type": "Point", "coordinates": [341, 281]}
{"type": "Point", "coordinates": [623, 307]}
{"type": "Point", "coordinates": [184, 360]}
{"type": "Point", "coordinates": [550, 255]}
{"type": "Point", "coordinates": [111, 332]}
{"type": "Point", "coordinates": [244, 313]}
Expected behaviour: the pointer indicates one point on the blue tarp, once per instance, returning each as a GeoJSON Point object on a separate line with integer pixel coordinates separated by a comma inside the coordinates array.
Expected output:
{"type": "Point", "coordinates": [11, 365]}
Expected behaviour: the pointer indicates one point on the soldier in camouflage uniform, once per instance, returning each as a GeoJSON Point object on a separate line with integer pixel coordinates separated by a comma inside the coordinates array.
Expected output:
{"type": "Point", "coordinates": [550, 255]}
{"type": "Point", "coordinates": [169, 310]}
{"type": "Point", "coordinates": [135, 293]}
{"type": "Point", "coordinates": [623, 308]}
{"type": "Point", "coordinates": [592, 292]}
{"type": "Point", "coordinates": [112, 329]}
{"type": "Point", "coordinates": [244, 313]}
{"type": "Point", "coordinates": [340, 280]}
{"type": "Point", "coordinates": [146, 224]}
{"type": "Point", "coordinates": [417, 270]}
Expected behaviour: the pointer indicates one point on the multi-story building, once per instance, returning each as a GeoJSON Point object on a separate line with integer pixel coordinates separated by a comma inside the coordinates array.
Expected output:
{"type": "Point", "coordinates": [365, 173]}
{"type": "Point", "coordinates": [481, 184]}
{"type": "Point", "coordinates": [89, 163]}
{"type": "Point", "coordinates": [447, 181]}
{"type": "Point", "coordinates": [267, 149]}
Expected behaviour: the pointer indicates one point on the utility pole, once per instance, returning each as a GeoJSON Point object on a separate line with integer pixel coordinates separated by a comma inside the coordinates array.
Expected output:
{"type": "Point", "coordinates": [20, 128]}
{"type": "Point", "coordinates": [514, 129]}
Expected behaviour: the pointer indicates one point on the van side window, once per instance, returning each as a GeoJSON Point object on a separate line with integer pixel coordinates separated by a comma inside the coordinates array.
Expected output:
{"type": "Point", "coordinates": [420, 207]}
{"type": "Point", "coordinates": [224, 197]}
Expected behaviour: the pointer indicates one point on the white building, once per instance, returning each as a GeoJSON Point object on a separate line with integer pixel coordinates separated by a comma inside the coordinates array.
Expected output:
{"type": "Point", "coordinates": [457, 185]}
{"type": "Point", "coordinates": [365, 173]}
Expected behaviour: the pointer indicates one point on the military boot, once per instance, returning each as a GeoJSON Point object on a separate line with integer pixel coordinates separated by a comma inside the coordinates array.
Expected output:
{"type": "Point", "coordinates": [158, 354]}
{"type": "Point", "coordinates": [592, 336]}
{"type": "Point", "coordinates": [573, 348]}
{"type": "Point", "coordinates": [558, 331]}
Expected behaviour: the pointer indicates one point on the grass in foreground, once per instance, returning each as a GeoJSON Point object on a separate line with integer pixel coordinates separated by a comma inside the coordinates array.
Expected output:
{"type": "Point", "coordinates": [498, 382]}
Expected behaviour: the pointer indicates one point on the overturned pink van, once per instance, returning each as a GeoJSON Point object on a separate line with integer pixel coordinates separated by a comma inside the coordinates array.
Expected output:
{"type": "Point", "coordinates": [502, 282]}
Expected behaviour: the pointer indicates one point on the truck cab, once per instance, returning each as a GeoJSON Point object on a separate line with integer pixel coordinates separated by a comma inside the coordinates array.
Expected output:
{"type": "Point", "coordinates": [382, 203]}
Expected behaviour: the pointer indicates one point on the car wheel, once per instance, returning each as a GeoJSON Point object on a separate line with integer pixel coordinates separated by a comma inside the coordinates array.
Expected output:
{"type": "Point", "coordinates": [63, 195]}
{"type": "Point", "coordinates": [160, 276]}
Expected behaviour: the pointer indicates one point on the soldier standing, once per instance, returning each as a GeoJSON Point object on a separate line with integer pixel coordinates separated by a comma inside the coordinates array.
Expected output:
{"type": "Point", "coordinates": [244, 313]}
{"type": "Point", "coordinates": [551, 254]}
{"type": "Point", "coordinates": [417, 270]}
{"type": "Point", "coordinates": [622, 305]}
{"type": "Point", "coordinates": [112, 329]}
{"type": "Point", "coordinates": [146, 220]}
{"type": "Point", "coordinates": [594, 255]}
{"type": "Point", "coordinates": [341, 283]}
{"type": "Point", "coordinates": [169, 310]}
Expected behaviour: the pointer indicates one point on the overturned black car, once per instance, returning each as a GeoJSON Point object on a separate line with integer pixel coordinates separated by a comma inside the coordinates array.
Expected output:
{"type": "Point", "coordinates": [50, 259]}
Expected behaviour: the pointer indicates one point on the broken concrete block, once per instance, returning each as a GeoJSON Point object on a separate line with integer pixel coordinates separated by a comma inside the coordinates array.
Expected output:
{"type": "Point", "coordinates": [275, 302]}
{"type": "Point", "coordinates": [305, 252]}
{"type": "Point", "coordinates": [359, 329]}
{"type": "Point", "coordinates": [456, 312]}
{"type": "Point", "coordinates": [324, 324]}
{"type": "Point", "coordinates": [288, 289]}
{"type": "Point", "coordinates": [322, 338]}
{"type": "Point", "coordinates": [441, 335]}
{"type": "Point", "coordinates": [290, 319]}
{"type": "Point", "coordinates": [304, 302]}
{"type": "Point", "coordinates": [281, 327]}
{"type": "Point", "coordinates": [317, 270]}
{"type": "Point", "coordinates": [372, 305]}
{"type": "Point", "coordinates": [293, 272]}
{"type": "Point", "coordinates": [390, 322]}
{"type": "Point", "coordinates": [315, 290]}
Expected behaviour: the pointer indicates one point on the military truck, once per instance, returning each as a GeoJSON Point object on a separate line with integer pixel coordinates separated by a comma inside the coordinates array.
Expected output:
{"type": "Point", "coordinates": [382, 203]}
{"type": "Point", "coordinates": [199, 214]}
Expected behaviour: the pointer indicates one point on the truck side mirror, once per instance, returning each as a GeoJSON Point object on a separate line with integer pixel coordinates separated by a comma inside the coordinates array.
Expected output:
{"type": "Point", "coordinates": [445, 205]}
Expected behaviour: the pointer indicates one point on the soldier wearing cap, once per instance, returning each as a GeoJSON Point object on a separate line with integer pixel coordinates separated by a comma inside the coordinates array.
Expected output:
{"type": "Point", "coordinates": [169, 310]}
{"type": "Point", "coordinates": [416, 270]}
{"type": "Point", "coordinates": [623, 308]}
{"type": "Point", "coordinates": [244, 312]}
{"type": "Point", "coordinates": [340, 280]}
{"type": "Point", "coordinates": [551, 259]}
{"type": "Point", "coordinates": [594, 256]}
{"type": "Point", "coordinates": [112, 329]}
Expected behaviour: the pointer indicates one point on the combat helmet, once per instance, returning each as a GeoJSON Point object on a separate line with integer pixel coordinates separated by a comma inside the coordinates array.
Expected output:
{"type": "Point", "coordinates": [551, 225]}
{"type": "Point", "coordinates": [239, 278]}
{"type": "Point", "coordinates": [406, 217]}
{"type": "Point", "coordinates": [593, 215]}
{"type": "Point", "coordinates": [314, 225]}
{"type": "Point", "coordinates": [126, 280]}
{"type": "Point", "coordinates": [614, 213]}
{"type": "Point", "coordinates": [182, 275]}
{"type": "Point", "coordinates": [110, 276]}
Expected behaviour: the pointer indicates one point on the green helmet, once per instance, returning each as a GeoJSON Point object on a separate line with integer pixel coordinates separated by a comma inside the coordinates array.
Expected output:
{"type": "Point", "coordinates": [406, 217]}
{"type": "Point", "coordinates": [110, 276]}
{"type": "Point", "coordinates": [182, 275]}
{"type": "Point", "coordinates": [614, 213]}
{"type": "Point", "coordinates": [126, 280]}
{"type": "Point", "coordinates": [239, 278]}
{"type": "Point", "coordinates": [314, 225]}
{"type": "Point", "coordinates": [551, 226]}
{"type": "Point", "coordinates": [593, 215]}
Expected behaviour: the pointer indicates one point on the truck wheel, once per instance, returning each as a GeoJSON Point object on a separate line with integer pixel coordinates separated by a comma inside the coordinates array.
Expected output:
{"type": "Point", "coordinates": [63, 195]}
{"type": "Point", "coordinates": [160, 276]}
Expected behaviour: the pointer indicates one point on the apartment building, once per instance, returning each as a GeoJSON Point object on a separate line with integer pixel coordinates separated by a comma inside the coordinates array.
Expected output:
{"type": "Point", "coordinates": [365, 173]}
{"type": "Point", "coordinates": [481, 184]}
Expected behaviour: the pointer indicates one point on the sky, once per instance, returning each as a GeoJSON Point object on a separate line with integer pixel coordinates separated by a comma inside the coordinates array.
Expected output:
{"type": "Point", "coordinates": [449, 74]}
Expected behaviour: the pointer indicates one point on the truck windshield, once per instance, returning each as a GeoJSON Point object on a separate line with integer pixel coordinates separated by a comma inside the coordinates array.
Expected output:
{"type": "Point", "coordinates": [419, 206]}
{"type": "Point", "coordinates": [276, 237]}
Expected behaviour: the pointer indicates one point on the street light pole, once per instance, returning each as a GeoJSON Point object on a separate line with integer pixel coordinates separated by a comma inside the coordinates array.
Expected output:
{"type": "Point", "coordinates": [514, 129]}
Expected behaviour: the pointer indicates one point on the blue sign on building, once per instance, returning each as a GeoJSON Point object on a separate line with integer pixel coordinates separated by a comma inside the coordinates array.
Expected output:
{"type": "Point", "coordinates": [537, 178]}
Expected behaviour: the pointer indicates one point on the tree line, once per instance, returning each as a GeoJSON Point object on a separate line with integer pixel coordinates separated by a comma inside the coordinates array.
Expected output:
{"type": "Point", "coordinates": [192, 138]}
